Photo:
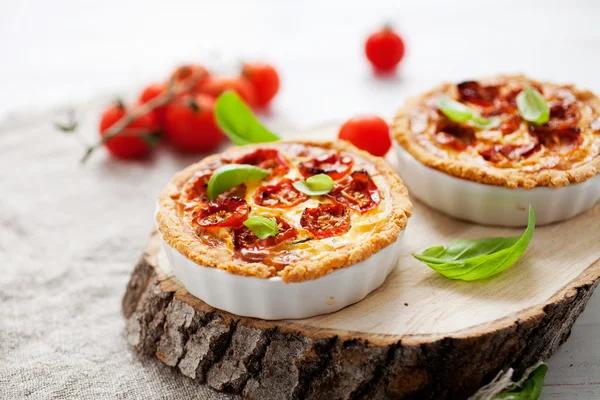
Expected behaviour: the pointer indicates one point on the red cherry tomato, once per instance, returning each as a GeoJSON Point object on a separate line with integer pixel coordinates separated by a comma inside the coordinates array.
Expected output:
{"type": "Point", "coordinates": [384, 49]}
{"type": "Point", "coordinates": [357, 191]}
{"type": "Point", "coordinates": [243, 238]}
{"type": "Point", "coordinates": [215, 86]}
{"type": "Point", "coordinates": [129, 143]}
{"type": "Point", "coordinates": [335, 165]}
{"type": "Point", "coordinates": [282, 194]}
{"type": "Point", "coordinates": [264, 79]}
{"type": "Point", "coordinates": [326, 220]}
{"type": "Point", "coordinates": [269, 159]}
{"type": "Point", "coordinates": [190, 124]}
{"type": "Point", "coordinates": [368, 133]}
{"type": "Point", "coordinates": [151, 92]}
{"type": "Point", "coordinates": [229, 212]}
{"type": "Point", "coordinates": [187, 73]}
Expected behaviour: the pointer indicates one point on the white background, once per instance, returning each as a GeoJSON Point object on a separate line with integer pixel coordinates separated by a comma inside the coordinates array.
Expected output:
{"type": "Point", "coordinates": [68, 51]}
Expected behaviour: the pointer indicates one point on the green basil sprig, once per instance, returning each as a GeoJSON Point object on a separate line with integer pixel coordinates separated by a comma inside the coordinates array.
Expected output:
{"type": "Point", "coordinates": [469, 260]}
{"type": "Point", "coordinates": [532, 106]}
{"type": "Point", "coordinates": [529, 389]}
{"type": "Point", "coordinates": [316, 185]}
{"type": "Point", "coordinates": [262, 227]}
{"type": "Point", "coordinates": [459, 113]}
{"type": "Point", "coordinates": [238, 122]}
{"type": "Point", "coordinates": [231, 175]}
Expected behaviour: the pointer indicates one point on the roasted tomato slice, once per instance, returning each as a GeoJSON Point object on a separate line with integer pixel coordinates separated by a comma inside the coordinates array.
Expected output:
{"type": "Point", "coordinates": [357, 191]}
{"type": "Point", "coordinates": [510, 124]}
{"type": "Point", "coordinates": [336, 165]}
{"type": "Point", "coordinates": [475, 93]}
{"type": "Point", "coordinates": [228, 212]}
{"type": "Point", "coordinates": [457, 136]}
{"type": "Point", "coordinates": [281, 194]}
{"type": "Point", "coordinates": [326, 220]}
{"type": "Point", "coordinates": [269, 159]}
{"type": "Point", "coordinates": [196, 188]}
{"type": "Point", "coordinates": [499, 153]}
{"type": "Point", "coordinates": [243, 238]}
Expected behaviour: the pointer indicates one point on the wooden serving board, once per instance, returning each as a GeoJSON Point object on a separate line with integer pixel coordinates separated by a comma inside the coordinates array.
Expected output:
{"type": "Point", "coordinates": [419, 335]}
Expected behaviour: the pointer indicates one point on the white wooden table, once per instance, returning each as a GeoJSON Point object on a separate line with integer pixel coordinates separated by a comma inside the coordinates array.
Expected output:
{"type": "Point", "coordinates": [68, 51]}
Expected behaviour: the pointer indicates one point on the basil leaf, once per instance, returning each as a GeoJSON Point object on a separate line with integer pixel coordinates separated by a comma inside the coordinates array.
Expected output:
{"type": "Point", "coordinates": [262, 227]}
{"type": "Point", "coordinates": [485, 123]}
{"type": "Point", "coordinates": [315, 185]}
{"type": "Point", "coordinates": [454, 110]}
{"type": "Point", "coordinates": [469, 260]}
{"type": "Point", "coordinates": [231, 175]}
{"type": "Point", "coordinates": [238, 122]}
{"type": "Point", "coordinates": [530, 389]}
{"type": "Point", "coordinates": [532, 106]}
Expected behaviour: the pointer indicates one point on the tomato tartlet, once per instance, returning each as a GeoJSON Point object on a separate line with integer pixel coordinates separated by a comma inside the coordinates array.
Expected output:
{"type": "Point", "coordinates": [318, 237]}
{"type": "Point", "coordinates": [489, 172]}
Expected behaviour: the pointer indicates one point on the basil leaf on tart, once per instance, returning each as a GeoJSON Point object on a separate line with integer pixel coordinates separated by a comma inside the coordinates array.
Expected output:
{"type": "Point", "coordinates": [316, 185]}
{"type": "Point", "coordinates": [231, 175]}
{"type": "Point", "coordinates": [470, 260]}
{"type": "Point", "coordinates": [262, 227]}
{"type": "Point", "coordinates": [238, 122]}
{"type": "Point", "coordinates": [532, 106]}
{"type": "Point", "coordinates": [486, 123]}
{"type": "Point", "coordinates": [455, 111]}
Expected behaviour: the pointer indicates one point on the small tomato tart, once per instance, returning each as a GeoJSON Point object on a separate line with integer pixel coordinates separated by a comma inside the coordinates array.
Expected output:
{"type": "Point", "coordinates": [318, 238]}
{"type": "Point", "coordinates": [490, 173]}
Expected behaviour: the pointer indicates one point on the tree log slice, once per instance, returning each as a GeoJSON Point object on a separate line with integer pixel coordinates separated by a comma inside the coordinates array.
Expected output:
{"type": "Point", "coordinates": [418, 336]}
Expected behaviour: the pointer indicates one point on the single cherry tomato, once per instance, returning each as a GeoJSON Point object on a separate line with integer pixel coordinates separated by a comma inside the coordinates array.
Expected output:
{"type": "Point", "coordinates": [357, 191]}
{"type": "Point", "coordinates": [192, 72]}
{"type": "Point", "coordinates": [384, 49]}
{"type": "Point", "coordinates": [244, 238]}
{"type": "Point", "coordinates": [335, 165]}
{"type": "Point", "coordinates": [264, 79]}
{"type": "Point", "coordinates": [190, 124]}
{"type": "Point", "coordinates": [269, 159]}
{"type": "Point", "coordinates": [151, 92]}
{"type": "Point", "coordinates": [215, 86]}
{"type": "Point", "coordinates": [368, 133]}
{"type": "Point", "coordinates": [135, 140]}
{"type": "Point", "coordinates": [228, 212]}
{"type": "Point", "coordinates": [281, 194]}
{"type": "Point", "coordinates": [326, 220]}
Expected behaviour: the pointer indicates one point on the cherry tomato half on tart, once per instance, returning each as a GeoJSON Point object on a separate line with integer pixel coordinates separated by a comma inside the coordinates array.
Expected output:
{"type": "Point", "coordinates": [190, 124]}
{"type": "Point", "coordinates": [270, 159]}
{"type": "Point", "coordinates": [229, 212]}
{"type": "Point", "coordinates": [281, 194]}
{"type": "Point", "coordinates": [133, 142]}
{"type": "Point", "coordinates": [336, 165]}
{"type": "Point", "coordinates": [326, 220]}
{"type": "Point", "coordinates": [369, 133]}
{"type": "Point", "coordinates": [244, 238]}
{"type": "Point", "coordinates": [384, 49]}
{"type": "Point", "coordinates": [357, 191]}
{"type": "Point", "coordinates": [195, 189]}
{"type": "Point", "coordinates": [265, 80]}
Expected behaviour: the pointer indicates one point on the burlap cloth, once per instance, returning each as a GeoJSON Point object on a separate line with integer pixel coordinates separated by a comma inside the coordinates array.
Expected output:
{"type": "Point", "coordinates": [69, 237]}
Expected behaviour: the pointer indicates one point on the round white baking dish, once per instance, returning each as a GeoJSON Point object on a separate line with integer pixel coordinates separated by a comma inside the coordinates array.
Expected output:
{"type": "Point", "coordinates": [494, 205]}
{"type": "Point", "coordinates": [273, 298]}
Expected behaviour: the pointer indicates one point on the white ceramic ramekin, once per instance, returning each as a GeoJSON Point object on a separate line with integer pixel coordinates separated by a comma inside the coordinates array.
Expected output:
{"type": "Point", "coordinates": [494, 205]}
{"type": "Point", "coordinates": [273, 298]}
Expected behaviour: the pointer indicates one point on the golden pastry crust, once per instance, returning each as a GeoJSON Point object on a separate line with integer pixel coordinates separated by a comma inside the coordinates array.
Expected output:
{"type": "Point", "coordinates": [308, 260]}
{"type": "Point", "coordinates": [550, 157]}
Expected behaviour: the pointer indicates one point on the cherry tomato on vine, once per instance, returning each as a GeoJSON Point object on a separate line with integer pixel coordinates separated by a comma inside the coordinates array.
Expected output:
{"type": "Point", "coordinates": [151, 92]}
{"type": "Point", "coordinates": [368, 133]}
{"type": "Point", "coordinates": [197, 72]}
{"type": "Point", "coordinates": [133, 142]}
{"type": "Point", "coordinates": [215, 86]}
{"type": "Point", "coordinates": [384, 49]}
{"type": "Point", "coordinates": [190, 124]}
{"type": "Point", "coordinates": [264, 79]}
